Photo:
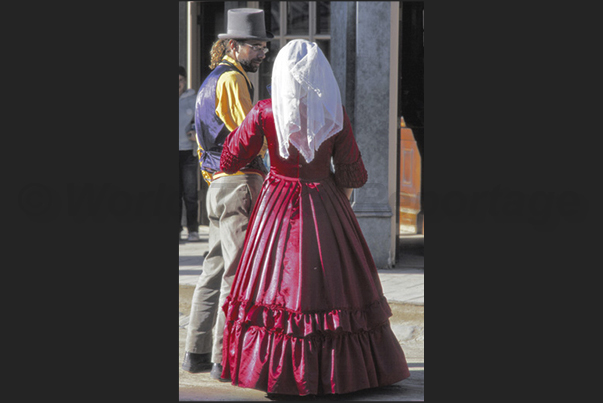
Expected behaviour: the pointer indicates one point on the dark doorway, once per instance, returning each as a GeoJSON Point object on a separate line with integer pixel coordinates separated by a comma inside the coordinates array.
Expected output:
{"type": "Point", "coordinates": [411, 117]}
{"type": "Point", "coordinates": [411, 68]}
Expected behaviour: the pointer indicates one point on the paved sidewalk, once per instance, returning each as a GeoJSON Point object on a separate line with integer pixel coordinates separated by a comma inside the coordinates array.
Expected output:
{"type": "Point", "coordinates": [403, 287]}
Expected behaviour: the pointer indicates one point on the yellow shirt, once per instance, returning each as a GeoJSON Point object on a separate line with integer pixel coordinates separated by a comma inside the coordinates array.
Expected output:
{"type": "Point", "coordinates": [233, 100]}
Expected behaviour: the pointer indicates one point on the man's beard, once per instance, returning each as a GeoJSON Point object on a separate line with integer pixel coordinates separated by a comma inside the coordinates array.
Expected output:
{"type": "Point", "coordinates": [249, 67]}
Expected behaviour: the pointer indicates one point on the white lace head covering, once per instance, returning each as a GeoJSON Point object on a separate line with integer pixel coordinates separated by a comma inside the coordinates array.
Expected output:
{"type": "Point", "coordinates": [306, 102]}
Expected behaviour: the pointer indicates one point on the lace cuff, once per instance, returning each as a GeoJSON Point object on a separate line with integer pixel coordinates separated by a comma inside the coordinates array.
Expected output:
{"type": "Point", "coordinates": [352, 175]}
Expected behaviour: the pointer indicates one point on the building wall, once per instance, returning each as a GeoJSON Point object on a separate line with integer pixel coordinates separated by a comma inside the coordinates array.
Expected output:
{"type": "Point", "coordinates": [361, 46]}
{"type": "Point", "coordinates": [372, 106]}
{"type": "Point", "coordinates": [182, 27]}
{"type": "Point", "coordinates": [343, 51]}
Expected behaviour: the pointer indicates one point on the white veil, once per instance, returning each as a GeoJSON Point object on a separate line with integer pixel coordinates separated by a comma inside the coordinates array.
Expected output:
{"type": "Point", "coordinates": [306, 102]}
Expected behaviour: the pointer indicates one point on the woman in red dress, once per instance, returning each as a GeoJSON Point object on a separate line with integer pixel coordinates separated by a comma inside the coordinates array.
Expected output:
{"type": "Point", "coordinates": [306, 314]}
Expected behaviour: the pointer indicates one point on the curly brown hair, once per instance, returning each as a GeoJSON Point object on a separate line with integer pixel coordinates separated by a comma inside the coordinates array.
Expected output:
{"type": "Point", "coordinates": [218, 50]}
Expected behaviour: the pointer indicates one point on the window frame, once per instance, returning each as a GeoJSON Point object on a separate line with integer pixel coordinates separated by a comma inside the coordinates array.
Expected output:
{"type": "Point", "coordinates": [283, 35]}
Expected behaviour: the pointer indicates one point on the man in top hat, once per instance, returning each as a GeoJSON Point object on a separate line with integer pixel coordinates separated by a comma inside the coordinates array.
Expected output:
{"type": "Point", "coordinates": [223, 101]}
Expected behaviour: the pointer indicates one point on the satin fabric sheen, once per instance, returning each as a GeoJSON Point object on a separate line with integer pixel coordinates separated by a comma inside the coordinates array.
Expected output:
{"type": "Point", "coordinates": [306, 313]}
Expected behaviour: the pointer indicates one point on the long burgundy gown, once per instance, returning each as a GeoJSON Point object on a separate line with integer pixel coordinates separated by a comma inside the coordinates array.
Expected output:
{"type": "Point", "coordinates": [306, 313]}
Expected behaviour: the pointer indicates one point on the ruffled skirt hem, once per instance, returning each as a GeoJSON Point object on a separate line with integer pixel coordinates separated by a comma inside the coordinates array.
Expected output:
{"type": "Point", "coordinates": [323, 363]}
{"type": "Point", "coordinates": [306, 324]}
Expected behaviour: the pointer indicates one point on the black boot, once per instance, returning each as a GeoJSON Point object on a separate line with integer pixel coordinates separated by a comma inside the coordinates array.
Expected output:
{"type": "Point", "coordinates": [195, 363]}
{"type": "Point", "coordinates": [216, 373]}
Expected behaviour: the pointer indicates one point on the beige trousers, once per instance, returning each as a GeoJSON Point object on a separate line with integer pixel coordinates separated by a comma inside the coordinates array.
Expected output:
{"type": "Point", "coordinates": [230, 201]}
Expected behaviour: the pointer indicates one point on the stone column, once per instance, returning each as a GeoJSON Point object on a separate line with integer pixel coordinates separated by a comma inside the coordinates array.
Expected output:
{"type": "Point", "coordinates": [343, 51]}
{"type": "Point", "coordinates": [371, 125]}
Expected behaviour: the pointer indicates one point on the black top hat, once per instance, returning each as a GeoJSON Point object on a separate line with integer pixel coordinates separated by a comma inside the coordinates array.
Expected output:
{"type": "Point", "coordinates": [246, 23]}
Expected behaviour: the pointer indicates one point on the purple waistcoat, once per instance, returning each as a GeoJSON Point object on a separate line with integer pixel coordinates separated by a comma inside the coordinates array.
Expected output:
{"type": "Point", "coordinates": [211, 131]}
